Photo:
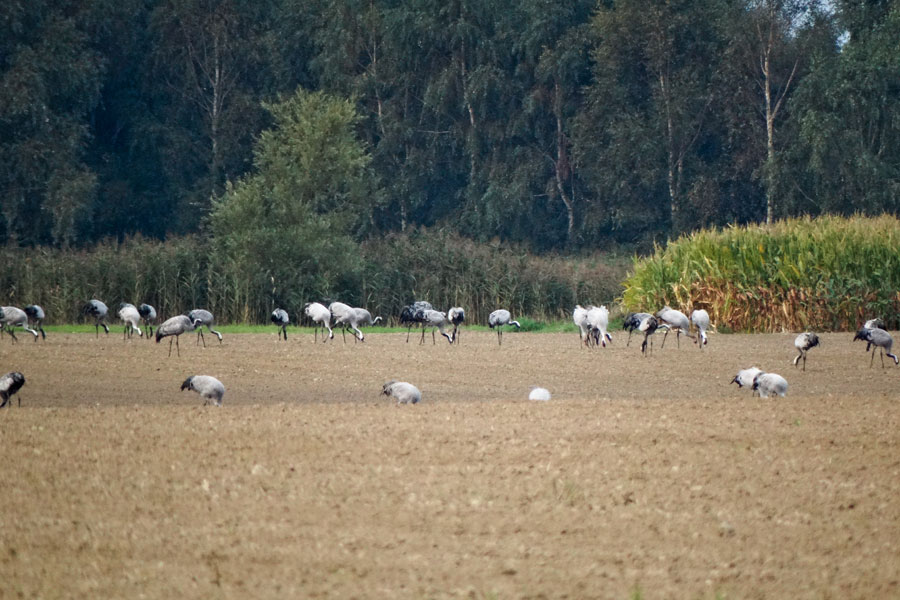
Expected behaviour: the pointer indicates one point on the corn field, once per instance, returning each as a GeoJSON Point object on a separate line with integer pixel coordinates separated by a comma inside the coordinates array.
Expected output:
{"type": "Point", "coordinates": [826, 274]}
{"type": "Point", "coordinates": [384, 275]}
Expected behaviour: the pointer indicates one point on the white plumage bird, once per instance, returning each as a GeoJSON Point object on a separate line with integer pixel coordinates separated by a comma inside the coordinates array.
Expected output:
{"type": "Point", "coordinates": [340, 315]}
{"type": "Point", "coordinates": [648, 327]}
{"type": "Point", "coordinates": [9, 385]}
{"type": "Point", "coordinates": [632, 322]}
{"type": "Point", "coordinates": [598, 319]}
{"type": "Point", "coordinates": [580, 318]}
{"type": "Point", "coordinates": [700, 320]}
{"type": "Point", "coordinates": [770, 384]}
{"type": "Point", "coordinates": [499, 318]}
{"type": "Point", "coordinates": [130, 315]}
{"type": "Point", "coordinates": [148, 315]}
{"type": "Point", "coordinates": [540, 394]}
{"type": "Point", "coordinates": [210, 389]}
{"type": "Point", "coordinates": [321, 316]}
{"type": "Point", "coordinates": [405, 393]}
{"type": "Point", "coordinates": [745, 377]}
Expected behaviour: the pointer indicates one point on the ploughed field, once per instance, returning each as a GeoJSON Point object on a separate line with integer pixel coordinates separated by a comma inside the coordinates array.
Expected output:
{"type": "Point", "coordinates": [642, 476]}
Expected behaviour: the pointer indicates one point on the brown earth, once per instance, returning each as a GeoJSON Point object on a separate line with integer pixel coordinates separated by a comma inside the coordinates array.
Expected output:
{"type": "Point", "coordinates": [641, 476]}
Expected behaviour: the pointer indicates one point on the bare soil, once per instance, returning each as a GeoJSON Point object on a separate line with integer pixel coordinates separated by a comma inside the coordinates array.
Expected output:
{"type": "Point", "coordinates": [649, 475]}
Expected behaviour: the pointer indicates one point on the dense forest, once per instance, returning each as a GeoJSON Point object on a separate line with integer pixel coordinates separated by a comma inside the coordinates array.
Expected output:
{"type": "Point", "coordinates": [556, 125]}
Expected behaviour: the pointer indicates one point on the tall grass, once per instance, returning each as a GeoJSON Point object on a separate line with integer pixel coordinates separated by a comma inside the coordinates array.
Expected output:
{"type": "Point", "coordinates": [829, 273]}
{"type": "Point", "coordinates": [184, 273]}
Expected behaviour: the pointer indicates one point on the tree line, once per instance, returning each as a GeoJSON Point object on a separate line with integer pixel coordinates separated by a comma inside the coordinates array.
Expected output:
{"type": "Point", "coordinates": [558, 126]}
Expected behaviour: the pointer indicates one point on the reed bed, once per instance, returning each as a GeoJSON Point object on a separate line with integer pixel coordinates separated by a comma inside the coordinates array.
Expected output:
{"type": "Point", "coordinates": [827, 274]}
{"type": "Point", "coordinates": [382, 275]}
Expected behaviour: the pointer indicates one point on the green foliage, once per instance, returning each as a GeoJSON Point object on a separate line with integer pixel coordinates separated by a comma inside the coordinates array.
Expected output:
{"type": "Point", "coordinates": [284, 232]}
{"type": "Point", "coordinates": [829, 273]}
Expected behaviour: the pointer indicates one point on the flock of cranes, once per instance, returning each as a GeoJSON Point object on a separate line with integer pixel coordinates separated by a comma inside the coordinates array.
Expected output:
{"type": "Point", "coordinates": [592, 323]}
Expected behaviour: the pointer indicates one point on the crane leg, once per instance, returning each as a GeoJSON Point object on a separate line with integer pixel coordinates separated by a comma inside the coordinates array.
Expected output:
{"type": "Point", "coordinates": [170, 348]}
{"type": "Point", "coordinates": [9, 330]}
{"type": "Point", "coordinates": [678, 339]}
{"type": "Point", "coordinates": [664, 339]}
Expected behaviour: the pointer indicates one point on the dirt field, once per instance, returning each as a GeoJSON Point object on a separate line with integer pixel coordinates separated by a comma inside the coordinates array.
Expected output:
{"type": "Point", "coordinates": [641, 476]}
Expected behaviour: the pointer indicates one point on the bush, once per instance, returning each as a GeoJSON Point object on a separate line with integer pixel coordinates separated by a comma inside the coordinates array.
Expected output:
{"type": "Point", "coordinates": [829, 273]}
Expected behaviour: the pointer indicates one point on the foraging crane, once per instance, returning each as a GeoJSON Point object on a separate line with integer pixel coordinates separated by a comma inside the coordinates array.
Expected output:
{"type": "Point", "coordinates": [99, 311]}
{"type": "Point", "coordinates": [321, 316]}
{"type": "Point", "coordinates": [132, 319]}
{"type": "Point", "coordinates": [580, 318]}
{"type": "Point", "coordinates": [436, 320]}
{"type": "Point", "coordinates": [9, 385]}
{"type": "Point", "coordinates": [456, 315]}
{"type": "Point", "coordinates": [206, 318]}
{"type": "Point", "coordinates": [674, 319]}
{"type": "Point", "coordinates": [598, 318]}
{"type": "Point", "coordinates": [36, 315]}
{"type": "Point", "coordinates": [210, 389]}
{"type": "Point", "coordinates": [340, 315]}
{"type": "Point", "coordinates": [632, 322]}
{"type": "Point", "coordinates": [499, 318]}
{"type": "Point", "coordinates": [745, 377]}
{"type": "Point", "coordinates": [10, 317]}
{"type": "Point", "coordinates": [148, 314]}
{"type": "Point", "coordinates": [648, 327]}
{"type": "Point", "coordinates": [281, 318]}
{"type": "Point", "coordinates": [405, 393]}
{"type": "Point", "coordinates": [803, 343]}
{"type": "Point", "coordinates": [700, 320]}
{"type": "Point", "coordinates": [879, 338]}
{"type": "Point", "coordinates": [539, 393]}
{"type": "Point", "coordinates": [414, 314]}
{"type": "Point", "coordinates": [175, 327]}
{"type": "Point", "coordinates": [358, 317]}
{"type": "Point", "coordinates": [770, 384]}
{"type": "Point", "coordinates": [873, 324]}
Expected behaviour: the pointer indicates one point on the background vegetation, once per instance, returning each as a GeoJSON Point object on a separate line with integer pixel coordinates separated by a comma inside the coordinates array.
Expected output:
{"type": "Point", "coordinates": [825, 274]}
{"type": "Point", "coordinates": [269, 147]}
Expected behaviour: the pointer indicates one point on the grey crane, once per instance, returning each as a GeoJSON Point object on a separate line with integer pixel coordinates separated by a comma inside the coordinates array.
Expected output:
{"type": "Point", "coordinates": [674, 319]}
{"type": "Point", "coordinates": [632, 322]}
{"type": "Point", "coordinates": [340, 315]}
{"type": "Point", "coordinates": [210, 389]}
{"type": "Point", "coordinates": [281, 318]}
{"type": "Point", "coordinates": [175, 327]}
{"type": "Point", "coordinates": [9, 385]}
{"type": "Point", "coordinates": [770, 384]}
{"type": "Point", "coordinates": [206, 319]}
{"type": "Point", "coordinates": [499, 318]}
{"type": "Point", "coordinates": [413, 315]}
{"type": "Point", "coordinates": [700, 320]}
{"type": "Point", "coordinates": [648, 327]}
{"type": "Point", "coordinates": [879, 338]}
{"type": "Point", "coordinates": [405, 393]}
{"type": "Point", "coordinates": [10, 317]}
{"type": "Point", "coordinates": [358, 317]}
{"type": "Point", "coordinates": [96, 309]}
{"type": "Point", "coordinates": [129, 315]}
{"type": "Point", "coordinates": [36, 316]}
{"type": "Point", "coordinates": [875, 323]}
{"type": "Point", "coordinates": [803, 343]}
{"type": "Point", "coordinates": [456, 316]}
{"type": "Point", "coordinates": [321, 316]}
{"type": "Point", "coordinates": [436, 320]}
{"type": "Point", "coordinates": [148, 315]}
